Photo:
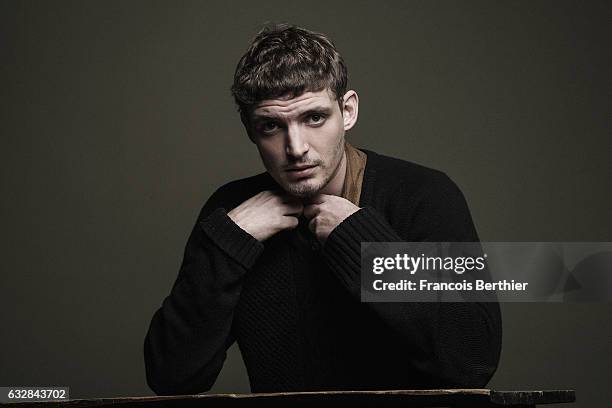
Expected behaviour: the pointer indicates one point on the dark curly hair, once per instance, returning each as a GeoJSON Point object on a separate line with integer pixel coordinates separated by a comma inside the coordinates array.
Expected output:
{"type": "Point", "coordinates": [287, 60]}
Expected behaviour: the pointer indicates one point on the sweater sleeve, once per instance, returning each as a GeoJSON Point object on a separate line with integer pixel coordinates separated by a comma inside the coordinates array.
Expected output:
{"type": "Point", "coordinates": [456, 344]}
{"type": "Point", "coordinates": [189, 334]}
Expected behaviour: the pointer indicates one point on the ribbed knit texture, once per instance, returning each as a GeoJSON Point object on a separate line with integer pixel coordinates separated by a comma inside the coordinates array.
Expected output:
{"type": "Point", "coordinates": [236, 242]}
{"type": "Point", "coordinates": [294, 307]}
{"type": "Point", "coordinates": [343, 248]}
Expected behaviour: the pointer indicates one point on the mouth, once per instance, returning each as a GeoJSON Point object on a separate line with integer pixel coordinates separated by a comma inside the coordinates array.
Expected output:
{"type": "Point", "coordinates": [301, 171]}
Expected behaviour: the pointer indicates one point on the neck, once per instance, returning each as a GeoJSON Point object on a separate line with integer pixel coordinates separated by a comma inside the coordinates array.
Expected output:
{"type": "Point", "coordinates": [335, 185]}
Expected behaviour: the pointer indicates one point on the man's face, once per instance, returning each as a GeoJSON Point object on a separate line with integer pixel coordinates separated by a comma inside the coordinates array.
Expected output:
{"type": "Point", "coordinates": [300, 140]}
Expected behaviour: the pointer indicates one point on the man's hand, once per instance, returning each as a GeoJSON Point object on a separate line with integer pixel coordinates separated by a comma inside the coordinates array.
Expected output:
{"type": "Point", "coordinates": [326, 212]}
{"type": "Point", "coordinates": [266, 214]}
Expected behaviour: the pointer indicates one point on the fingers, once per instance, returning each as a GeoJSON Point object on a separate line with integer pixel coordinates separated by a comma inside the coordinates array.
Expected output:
{"type": "Point", "coordinates": [312, 225]}
{"type": "Point", "coordinates": [311, 211]}
{"type": "Point", "coordinates": [289, 222]}
{"type": "Point", "coordinates": [312, 205]}
{"type": "Point", "coordinates": [264, 197]}
{"type": "Point", "coordinates": [280, 202]}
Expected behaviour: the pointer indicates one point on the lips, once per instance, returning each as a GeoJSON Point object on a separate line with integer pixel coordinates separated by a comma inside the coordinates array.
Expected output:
{"type": "Point", "coordinates": [300, 168]}
{"type": "Point", "coordinates": [301, 171]}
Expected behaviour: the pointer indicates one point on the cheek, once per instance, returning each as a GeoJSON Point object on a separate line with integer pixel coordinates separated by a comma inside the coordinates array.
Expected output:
{"type": "Point", "coordinates": [270, 153]}
{"type": "Point", "coordinates": [331, 138]}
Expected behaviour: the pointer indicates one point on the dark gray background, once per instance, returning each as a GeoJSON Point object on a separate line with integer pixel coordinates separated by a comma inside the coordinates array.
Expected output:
{"type": "Point", "coordinates": [117, 124]}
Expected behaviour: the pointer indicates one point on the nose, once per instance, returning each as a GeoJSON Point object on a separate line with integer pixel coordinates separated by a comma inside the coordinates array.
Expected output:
{"type": "Point", "coordinates": [296, 145]}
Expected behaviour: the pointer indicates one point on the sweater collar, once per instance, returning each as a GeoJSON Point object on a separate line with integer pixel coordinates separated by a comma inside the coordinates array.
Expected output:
{"type": "Point", "coordinates": [369, 179]}
{"type": "Point", "coordinates": [353, 179]}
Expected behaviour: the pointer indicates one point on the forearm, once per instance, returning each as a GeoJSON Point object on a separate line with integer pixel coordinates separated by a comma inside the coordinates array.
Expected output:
{"type": "Point", "coordinates": [189, 335]}
{"type": "Point", "coordinates": [455, 344]}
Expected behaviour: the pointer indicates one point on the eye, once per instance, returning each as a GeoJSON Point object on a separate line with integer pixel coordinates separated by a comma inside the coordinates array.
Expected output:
{"type": "Point", "coordinates": [316, 118]}
{"type": "Point", "coordinates": [269, 127]}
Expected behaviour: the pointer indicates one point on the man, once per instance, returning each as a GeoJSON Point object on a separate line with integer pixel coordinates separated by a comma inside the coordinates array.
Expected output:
{"type": "Point", "coordinates": [273, 261]}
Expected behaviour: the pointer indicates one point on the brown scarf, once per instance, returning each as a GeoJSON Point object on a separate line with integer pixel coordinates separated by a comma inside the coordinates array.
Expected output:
{"type": "Point", "coordinates": [355, 166]}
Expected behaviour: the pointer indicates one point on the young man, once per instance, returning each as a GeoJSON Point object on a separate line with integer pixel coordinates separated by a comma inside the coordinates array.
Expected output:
{"type": "Point", "coordinates": [273, 261]}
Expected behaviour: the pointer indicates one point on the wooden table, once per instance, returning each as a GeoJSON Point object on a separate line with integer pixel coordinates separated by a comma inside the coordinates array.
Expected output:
{"type": "Point", "coordinates": [397, 398]}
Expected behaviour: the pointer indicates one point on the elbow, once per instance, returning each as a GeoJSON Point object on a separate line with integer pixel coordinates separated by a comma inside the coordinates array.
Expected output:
{"type": "Point", "coordinates": [474, 371]}
{"type": "Point", "coordinates": [165, 385]}
{"type": "Point", "coordinates": [165, 378]}
{"type": "Point", "coordinates": [158, 384]}
{"type": "Point", "coordinates": [475, 361]}
{"type": "Point", "coordinates": [168, 381]}
{"type": "Point", "coordinates": [476, 376]}
{"type": "Point", "coordinates": [466, 373]}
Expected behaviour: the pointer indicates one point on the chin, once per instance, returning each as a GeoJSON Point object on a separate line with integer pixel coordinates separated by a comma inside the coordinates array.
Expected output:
{"type": "Point", "coordinates": [303, 190]}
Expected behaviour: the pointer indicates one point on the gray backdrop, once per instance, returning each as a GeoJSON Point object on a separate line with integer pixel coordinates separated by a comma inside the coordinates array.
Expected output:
{"type": "Point", "coordinates": [117, 124]}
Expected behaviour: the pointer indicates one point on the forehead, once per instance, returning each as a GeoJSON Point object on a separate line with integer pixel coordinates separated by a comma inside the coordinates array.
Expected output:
{"type": "Point", "coordinates": [287, 107]}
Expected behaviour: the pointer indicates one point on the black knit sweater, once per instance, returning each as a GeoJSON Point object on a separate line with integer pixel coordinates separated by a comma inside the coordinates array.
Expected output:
{"type": "Point", "coordinates": [294, 306]}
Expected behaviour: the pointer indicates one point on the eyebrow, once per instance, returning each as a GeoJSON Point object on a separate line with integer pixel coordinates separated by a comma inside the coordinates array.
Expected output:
{"type": "Point", "coordinates": [315, 109]}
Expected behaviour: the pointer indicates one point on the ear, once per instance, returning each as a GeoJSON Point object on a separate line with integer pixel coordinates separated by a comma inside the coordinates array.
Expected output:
{"type": "Point", "coordinates": [350, 109]}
